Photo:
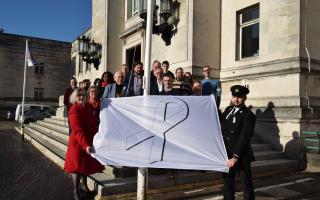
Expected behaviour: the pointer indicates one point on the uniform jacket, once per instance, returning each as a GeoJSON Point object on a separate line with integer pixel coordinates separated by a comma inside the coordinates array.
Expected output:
{"type": "Point", "coordinates": [237, 131]}
{"type": "Point", "coordinates": [83, 128]}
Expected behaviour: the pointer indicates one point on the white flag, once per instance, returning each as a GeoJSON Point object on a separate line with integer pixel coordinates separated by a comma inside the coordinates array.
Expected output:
{"type": "Point", "coordinates": [29, 59]}
{"type": "Point", "coordinates": [181, 132]}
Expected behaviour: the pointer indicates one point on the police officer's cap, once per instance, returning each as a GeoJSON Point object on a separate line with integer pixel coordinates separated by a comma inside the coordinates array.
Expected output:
{"type": "Point", "coordinates": [239, 90]}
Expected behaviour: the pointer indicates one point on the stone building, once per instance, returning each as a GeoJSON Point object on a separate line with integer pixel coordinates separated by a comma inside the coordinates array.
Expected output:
{"type": "Point", "coordinates": [45, 81]}
{"type": "Point", "coordinates": [272, 46]}
{"type": "Point", "coordinates": [269, 45]}
{"type": "Point", "coordinates": [118, 27]}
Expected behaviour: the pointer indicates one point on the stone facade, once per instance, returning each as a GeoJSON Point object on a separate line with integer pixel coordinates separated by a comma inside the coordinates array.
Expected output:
{"type": "Point", "coordinates": [282, 75]}
{"type": "Point", "coordinates": [283, 91]}
{"type": "Point", "coordinates": [195, 43]}
{"type": "Point", "coordinates": [51, 81]}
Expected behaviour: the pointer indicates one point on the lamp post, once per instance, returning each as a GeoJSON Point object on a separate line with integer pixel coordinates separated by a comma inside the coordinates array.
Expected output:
{"type": "Point", "coordinates": [168, 9]}
{"type": "Point", "coordinates": [89, 51]}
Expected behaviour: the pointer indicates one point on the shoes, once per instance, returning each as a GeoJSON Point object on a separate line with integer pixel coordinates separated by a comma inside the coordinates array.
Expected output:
{"type": "Point", "coordinates": [86, 192]}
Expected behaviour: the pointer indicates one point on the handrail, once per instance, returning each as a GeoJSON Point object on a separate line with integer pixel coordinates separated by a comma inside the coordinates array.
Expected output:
{"type": "Point", "coordinates": [312, 141]}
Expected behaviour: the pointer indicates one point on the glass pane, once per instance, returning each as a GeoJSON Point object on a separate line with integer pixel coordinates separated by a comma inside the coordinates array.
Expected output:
{"type": "Point", "coordinates": [250, 15]}
{"type": "Point", "coordinates": [129, 9]}
{"type": "Point", "coordinates": [135, 6]}
{"type": "Point", "coordinates": [250, 41]}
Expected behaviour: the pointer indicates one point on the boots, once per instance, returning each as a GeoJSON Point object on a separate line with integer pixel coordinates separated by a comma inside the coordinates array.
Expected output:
{"type": "Point", "coordinates": [84, 186]}
{"type": "Point", "coordinates": [76, 181]}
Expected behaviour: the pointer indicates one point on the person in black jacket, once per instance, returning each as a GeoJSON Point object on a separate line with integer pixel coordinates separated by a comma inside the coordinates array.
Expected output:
{"type": "Point", "coordinates": [168, 87]}
{"type": "Point", "coordinates": [237, 125]}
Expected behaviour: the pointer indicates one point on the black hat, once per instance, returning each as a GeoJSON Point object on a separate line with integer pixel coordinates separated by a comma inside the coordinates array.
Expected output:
{"type": "Point", "coordinates": [239, 90]}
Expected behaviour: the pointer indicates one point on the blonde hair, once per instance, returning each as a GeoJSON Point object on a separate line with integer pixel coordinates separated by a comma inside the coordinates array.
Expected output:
{"type": "Point", "coordinates": [74, 96]}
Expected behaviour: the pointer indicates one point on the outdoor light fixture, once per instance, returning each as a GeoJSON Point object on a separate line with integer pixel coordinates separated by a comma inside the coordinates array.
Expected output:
{"type": "Point", "coordinates": [89, 51]}
{"type": "Point", "coordinates": [169, 18]}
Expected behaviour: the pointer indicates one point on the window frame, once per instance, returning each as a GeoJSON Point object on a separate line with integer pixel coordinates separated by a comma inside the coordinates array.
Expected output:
{"type": "Point", "coordinates": [39, 69]}
{"type": "Point", "coordinates": [241, 26]}
{"type": "Point", "coordinates": [132, 8]}
{"type": "Point", "coordinates": [38, 93]}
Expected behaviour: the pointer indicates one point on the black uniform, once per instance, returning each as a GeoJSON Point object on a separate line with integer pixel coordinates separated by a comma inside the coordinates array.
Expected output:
{"type": "Point", "coordinates": [237, 130]}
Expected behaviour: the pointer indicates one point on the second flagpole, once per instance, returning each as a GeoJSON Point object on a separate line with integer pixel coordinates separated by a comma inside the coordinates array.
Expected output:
{"type": "Point", "coordinates": [23, 92]}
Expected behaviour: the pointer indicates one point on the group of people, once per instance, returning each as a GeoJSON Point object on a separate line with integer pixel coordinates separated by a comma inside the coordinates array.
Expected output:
{"type": "Point", "coordinates": [83, 106]}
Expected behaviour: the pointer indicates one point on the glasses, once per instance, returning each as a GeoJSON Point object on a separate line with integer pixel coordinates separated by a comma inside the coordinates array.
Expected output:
{"type": "Point", "coordinates": [80, 94]}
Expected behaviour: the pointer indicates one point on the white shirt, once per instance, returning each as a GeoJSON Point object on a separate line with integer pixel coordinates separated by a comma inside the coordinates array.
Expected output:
{"type": "Point", "coordinates": [160, 85]}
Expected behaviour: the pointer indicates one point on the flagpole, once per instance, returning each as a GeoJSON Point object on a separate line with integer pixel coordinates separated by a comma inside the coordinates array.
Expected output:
{"type": "Point", "coordinates": [143, 172]}
{"type": "Point", "coordinates": [23, 92]}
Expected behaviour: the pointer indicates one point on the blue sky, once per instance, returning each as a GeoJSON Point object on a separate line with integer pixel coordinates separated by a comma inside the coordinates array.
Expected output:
{"type": "Point", "coordinates": [62, 20]}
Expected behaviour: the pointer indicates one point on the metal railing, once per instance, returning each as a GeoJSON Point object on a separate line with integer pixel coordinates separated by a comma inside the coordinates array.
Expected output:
{"type": "Point", "coordinates": [312, 141]}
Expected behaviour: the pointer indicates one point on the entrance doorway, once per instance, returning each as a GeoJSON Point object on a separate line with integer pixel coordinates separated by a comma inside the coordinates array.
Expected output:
{"type": "Point", "coordinates": [133, 55]}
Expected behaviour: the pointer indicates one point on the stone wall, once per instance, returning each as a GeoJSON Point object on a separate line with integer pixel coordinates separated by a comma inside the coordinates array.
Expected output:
{"type": "Point", "coordinates": [283, 93]}
{"type": "Point", "coordinates": [57, 69]}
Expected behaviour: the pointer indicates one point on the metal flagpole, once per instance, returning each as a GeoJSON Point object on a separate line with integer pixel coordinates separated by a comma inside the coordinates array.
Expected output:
{"type": "Point", "coordinates": [24, 91]}
{"type": "Point", "coordinates": [143, 172]}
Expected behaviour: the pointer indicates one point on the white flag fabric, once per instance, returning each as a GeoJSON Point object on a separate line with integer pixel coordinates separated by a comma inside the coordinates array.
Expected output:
{"type": "Point", "coordinates": [29, 59]}
{"type": "Point", "coordinates": [181, 132]}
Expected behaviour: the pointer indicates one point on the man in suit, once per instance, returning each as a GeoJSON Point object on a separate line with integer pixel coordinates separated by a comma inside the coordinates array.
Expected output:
{"type": "Point", "coordinates": [136, 81]}
{"type": "Point", "coordinates": [237, 125]}
{"type": "Point", "coordinates": [156, 85]}
{"type": "Point", "coordinates": [117, 89]}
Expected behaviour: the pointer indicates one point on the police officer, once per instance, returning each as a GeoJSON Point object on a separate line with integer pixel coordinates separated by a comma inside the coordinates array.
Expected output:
{"type": "Point", "coordinates": [237, 124]}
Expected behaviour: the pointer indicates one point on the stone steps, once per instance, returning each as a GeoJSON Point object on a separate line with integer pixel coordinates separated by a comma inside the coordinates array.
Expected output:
{"type": "Point", "coordinates": [54, 126]}
{"type": "Point", "coordinates": [50, 136]}
{"type": "Point", "coordinates": [61, 122]}
{"type": "Point", "coordinates": [268, 155]}
{"type": "Point", "coordinates": [48, 129]}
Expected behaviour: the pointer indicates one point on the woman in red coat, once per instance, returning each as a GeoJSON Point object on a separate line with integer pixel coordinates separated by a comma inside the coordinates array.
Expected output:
{"type": "Point", "coordinates": [79, 162]}
{"type": "Point", "coordinates": [93, 103]}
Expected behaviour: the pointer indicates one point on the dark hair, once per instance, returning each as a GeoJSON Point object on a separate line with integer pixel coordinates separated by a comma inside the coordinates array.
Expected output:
{"type": "Point", "coordinates": [109, 76]}
{"type": "Point", "coordinates": [137, 63]}
{"type": "Point", "coordinates": [206, 66]}
{"type": "Point", "coordinates": [168, 75]}
{"type": "Point", "coordinates": [86, 81]}
{"type": "Point", "coordinates": [156, 61]}
{"type": "Point", "coordinates": [97, 80]}
{"type": "Point", "coordinates": [191, 78]}
{"type": "Point", "coordinates": [165, 63]}
{"type": "Point", "coordinates": [179, 68]}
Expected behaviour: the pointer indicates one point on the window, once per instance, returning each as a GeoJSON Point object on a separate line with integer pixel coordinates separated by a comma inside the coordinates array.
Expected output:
{"type": "Point", "coordinates": [39, 68]}
{"type": "Point", "coordinates": [132, 8]}
{"type": "Point", "coordinates": [38, 93]}
{"type": "Point", "coordinates": [248, 32]}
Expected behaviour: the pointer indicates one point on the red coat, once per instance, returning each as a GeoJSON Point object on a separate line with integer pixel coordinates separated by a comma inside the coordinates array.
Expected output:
{"type": "Point", "coordinates": [83, 128]}
{"type": "Point", "coordinates": [94, 109]}
{"type": "Point", "coordinates": [66, 98]}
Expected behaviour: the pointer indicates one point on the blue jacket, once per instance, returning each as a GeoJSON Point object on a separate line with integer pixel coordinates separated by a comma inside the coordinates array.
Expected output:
{"type": "Point", "coordinates": [110, 91]}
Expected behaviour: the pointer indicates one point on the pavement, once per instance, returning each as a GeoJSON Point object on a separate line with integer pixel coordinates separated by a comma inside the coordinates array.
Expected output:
{"type": "Point", "coordinates": [293, 186]}
{"type": "Point", "coordinates": [26, 174]}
